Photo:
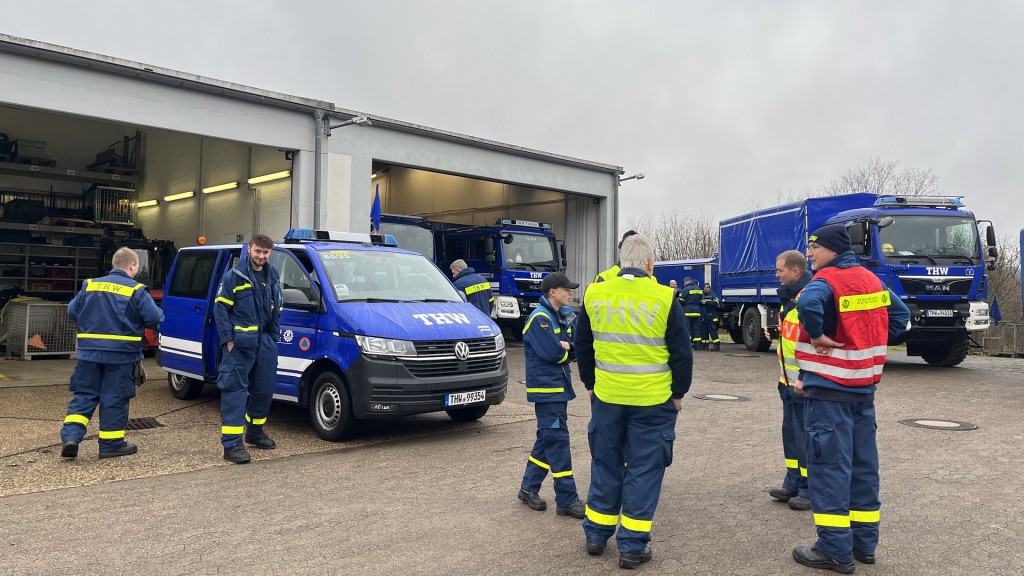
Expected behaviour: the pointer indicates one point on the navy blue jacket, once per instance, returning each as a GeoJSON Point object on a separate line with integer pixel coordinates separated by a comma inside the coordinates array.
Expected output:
{"type": "Point", "coordinates": [816, 308]}
{"type": "Point", "coordinates": [476, 288]}
{"type": "Point", "coordinates": [244, 308]}
{"type": "Point", "coordinates": [112, 313]}
{"type": "Point", "coordinates": [677, 339]}
{"type": "Point", "coordinates": [692, 295]}
{"type": "Point", "coordinates": [548, 377]}
{"type": "Point", "coordinates": [709, 306]}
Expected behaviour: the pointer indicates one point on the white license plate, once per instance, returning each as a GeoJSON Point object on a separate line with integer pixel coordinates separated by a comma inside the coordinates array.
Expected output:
{"type": "Point", "coordinates": [939, 313]}
{"type": "Point", "coordinates": [465, 397]}
{"type": "Point", "coordinates": [534, 304]}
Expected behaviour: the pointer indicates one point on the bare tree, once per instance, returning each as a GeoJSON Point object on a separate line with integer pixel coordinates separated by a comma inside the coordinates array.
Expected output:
{"type": "Point", "coordinates": [882, 177]}
{"type": "Point", "coordinates": [679, 236]}
{"type": "Point", "coordinates": [1004, 281]}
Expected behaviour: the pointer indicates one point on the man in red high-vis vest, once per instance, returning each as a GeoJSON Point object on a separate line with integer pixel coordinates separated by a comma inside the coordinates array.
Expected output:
{"type": "Point", "coordinates": [846, 319]}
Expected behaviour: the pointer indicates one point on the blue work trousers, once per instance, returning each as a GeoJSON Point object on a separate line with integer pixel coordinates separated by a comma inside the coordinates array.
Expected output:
{"type": "Point", "coordinates": [551, 453]}
{"type": "Point", "coordinates": [246, 379]}
{"type": "Point", "coordinates": [111, 386]}
{"type": "Point", "coordinates": [630, 448]}
{"type": "Point", "coordinates": [794, 441]}
{"type": "Point", "coordinates": [709, 332]}
{"type": "Point", "coordinates": [842, 476]}
{"type": "Point", "coordinates": [694, 325]}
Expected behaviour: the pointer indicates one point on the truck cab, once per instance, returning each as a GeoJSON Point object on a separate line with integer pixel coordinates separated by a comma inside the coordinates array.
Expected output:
{"type": "Point", "coordinates": [515, 256]}
{"type": "Point", "coordinates": [368, 331]}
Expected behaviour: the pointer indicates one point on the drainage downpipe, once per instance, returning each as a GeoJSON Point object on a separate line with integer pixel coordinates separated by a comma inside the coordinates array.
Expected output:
{"type": "Point", "coordinates": [318, 149]}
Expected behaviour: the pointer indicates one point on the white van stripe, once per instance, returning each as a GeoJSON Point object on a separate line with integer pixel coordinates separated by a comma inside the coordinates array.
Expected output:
{"type": "Point", "coordinates": [182, 344]}
{"type": "Point", "coordinates": [293, 364]}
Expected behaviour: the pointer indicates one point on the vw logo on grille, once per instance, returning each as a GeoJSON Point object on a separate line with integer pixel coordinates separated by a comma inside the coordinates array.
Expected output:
{"type": "Point", "coordinates": [462, 350]}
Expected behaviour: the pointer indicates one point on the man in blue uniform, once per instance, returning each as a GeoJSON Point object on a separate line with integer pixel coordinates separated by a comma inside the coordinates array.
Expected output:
{"type": "Point", "coordinates": [476, 288]}
{"type": "Point", "coordinates": [247, 311]}
{"type": "Point", "coordinates": [112, 313]}
{"type": "Point", "coordinates": [692, 295]}
{"type": "Point", "coordinates": [547, 343]}
{"type": "Point", "coordinates": [633, 351]}
{"type": "Point", "coordinates": [709, 320]}
{"type": "Point", "coordinates": [846, 318]}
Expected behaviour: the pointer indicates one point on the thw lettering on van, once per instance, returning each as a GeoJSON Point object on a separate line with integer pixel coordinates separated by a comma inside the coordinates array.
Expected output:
{"type": "Point", "coordinates": [625, 312]}
{"type": "Point", "coordinates": [442, 318]}
{"type": "Point", "coordinates": [939, 271]}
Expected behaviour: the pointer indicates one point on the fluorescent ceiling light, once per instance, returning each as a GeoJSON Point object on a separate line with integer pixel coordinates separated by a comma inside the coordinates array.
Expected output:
{"type": "Point", "coordinates": [146, 203]}
{"type": "Point", "coordinates": [269, 177]}
{"type": "Point", "coordinates": [181, 196]}
{"type": "Point", "coordinates": [220, 187]}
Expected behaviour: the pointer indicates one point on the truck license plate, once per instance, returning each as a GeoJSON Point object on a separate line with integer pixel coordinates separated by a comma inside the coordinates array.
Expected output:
{"type": "Point", "coordinates": [465, 397]}
{"type": "Point", "coordinates": [939, 313]}
{"type": "Point", "coordinates": [534, 304]}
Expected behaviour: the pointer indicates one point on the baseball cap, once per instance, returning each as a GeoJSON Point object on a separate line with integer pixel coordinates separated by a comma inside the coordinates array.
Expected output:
{"type": "Point", "coordinates": [557, 280]}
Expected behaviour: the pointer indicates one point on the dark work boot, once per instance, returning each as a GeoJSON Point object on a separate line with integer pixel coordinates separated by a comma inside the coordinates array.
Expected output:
{"type": "Point", "coordinates": [124, 450]}
{"type": "Point", "coordinates": [595, 548]}
{"type": "Point", "coordinates": [630, 561]}
{"type": "Point", "coordinates": [237, 454]}
{"type": "Point", "coordinates": [577, 510]}
{"type": "Point", "coordinates": [800, 503]}
{"type": "Point", "coordinates": [716, 346]}
{"type": "Point", "coordinates": [781, 494]}
{"type": "Point", "coordinates": [533, 500]}
{"type": "Point", "coordinates": [811, 557]}
{"type": "Point", "coordinates": [864, 557]}
{"type": "Point", "coordinates": [69, 450]}
{"type": "Point", "coordinates": [259, 439]}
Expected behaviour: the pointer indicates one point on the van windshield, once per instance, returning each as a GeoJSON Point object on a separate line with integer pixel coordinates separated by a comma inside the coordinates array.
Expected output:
{"type": "Point", "coordinates": [376, 276]}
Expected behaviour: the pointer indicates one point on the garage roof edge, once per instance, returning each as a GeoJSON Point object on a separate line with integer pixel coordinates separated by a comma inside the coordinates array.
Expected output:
{"type": "Point", "coordinates": [54, 52]}
{"type": "Point", "coordinates": [402, 126]}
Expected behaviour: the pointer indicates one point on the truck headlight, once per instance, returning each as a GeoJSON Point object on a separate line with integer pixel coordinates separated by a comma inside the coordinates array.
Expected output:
{"type": "Point", "coordinates": [499, 342]}
{"type": "Point", "coordinates": [385, 346]}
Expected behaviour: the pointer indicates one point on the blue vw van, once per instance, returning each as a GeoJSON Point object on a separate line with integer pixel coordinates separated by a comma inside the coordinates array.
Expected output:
{"type": "Point", "coordinates": [368, 331]}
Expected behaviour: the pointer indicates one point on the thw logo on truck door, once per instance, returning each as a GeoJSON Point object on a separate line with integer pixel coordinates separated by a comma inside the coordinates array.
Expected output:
{"type": "Point", "coordinates": [937, 271]}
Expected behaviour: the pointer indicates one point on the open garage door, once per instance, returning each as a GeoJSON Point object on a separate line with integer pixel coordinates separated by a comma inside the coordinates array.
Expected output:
{"type": "Point", "coordinates": [71, 188]}
{"type": "Point", "coordinates": [453, 199]}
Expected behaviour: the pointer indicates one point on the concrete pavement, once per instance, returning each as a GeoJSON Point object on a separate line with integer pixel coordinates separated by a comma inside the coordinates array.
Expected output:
{"type": "Point", "coordinates": [427, 496]}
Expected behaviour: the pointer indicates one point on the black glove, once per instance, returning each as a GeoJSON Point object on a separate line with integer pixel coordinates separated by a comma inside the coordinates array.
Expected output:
{"type": "Point", "coordinates": [139, 375]}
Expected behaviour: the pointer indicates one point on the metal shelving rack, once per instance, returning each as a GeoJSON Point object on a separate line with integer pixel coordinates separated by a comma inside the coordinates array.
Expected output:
{"type": "Point", "coordinates": [52, 270]}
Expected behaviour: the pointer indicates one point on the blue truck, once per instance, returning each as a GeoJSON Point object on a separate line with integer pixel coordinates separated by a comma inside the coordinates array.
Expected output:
{"type": "Point", "coordinates": [368, 331]}
{"type": "Point", "coordinates": [928, 250]}
{"type": "Point", "coordinates": [514, 255]}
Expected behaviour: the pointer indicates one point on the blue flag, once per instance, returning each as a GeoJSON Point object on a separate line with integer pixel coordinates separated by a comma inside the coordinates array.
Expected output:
{"type": "Point", "coordinates": [375, 210]}
{"type": "Point", "coordinates": [994, 313]}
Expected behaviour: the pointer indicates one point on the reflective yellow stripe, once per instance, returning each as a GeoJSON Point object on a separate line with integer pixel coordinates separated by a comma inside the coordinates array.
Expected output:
{"type": "Point", "coordinates": [636, 525]}
{"type": "Point", "coordinates": [692, 314]}
{"type": "Point", "coordinates": [111, 435]}
{"type": "Point", "coordinates": [545, 390]}
{"type": "Point", "coordinates": [561, 474]}
{"type": "Point", "coordinates": [832, 520]}
{"type": "Point", "coordinates": [477, 288]}
{"type": "Point", "coordinates": [111, 337]}
{"type": "Point", "coordinates": [564, 357]}
{"type": "Point", "coordinates": [112, 288]}
{"type": "Point", "coordinates": [224, 300]}
{"type": "Point", "coordinates": [258, 421]}
{"type": "Point", "coordinates": [246, 328]}
{"type": "Point", "coordinates": [530, 321]}
{"type": "Point", "coordinates": [539, 463]}
{"type": "Point", "coordinates": [791, 463]}
{"type": "Point", "coordinates": [603, 519]}
{"type": "Point", "coordinates": [76, 419]}
{"type": "Point", "coordinates": [232, 430]}
{"type": "Point", "coordinates": [861, 302]}
{"type": "Point", "coordinates": [242, 287]}
{"type": "Point", "coordinates": [865, 516]}
{"type": "Point", "coordinates": [696, 291]}
{"type": "Point", "coordinates": [803, 472]}
{"type": "Point", "coordinates": [558, 330]}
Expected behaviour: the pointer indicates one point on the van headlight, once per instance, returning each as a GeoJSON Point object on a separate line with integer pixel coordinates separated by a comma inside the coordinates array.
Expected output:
{"type": "Point", "coordinates": [385, 346]}
{"type": "Point", "coordinates": [499, 342]}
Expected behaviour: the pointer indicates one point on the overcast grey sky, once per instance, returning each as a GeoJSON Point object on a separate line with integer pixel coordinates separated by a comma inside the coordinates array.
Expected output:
{"type": "Point", "coordinates": [723, 104]}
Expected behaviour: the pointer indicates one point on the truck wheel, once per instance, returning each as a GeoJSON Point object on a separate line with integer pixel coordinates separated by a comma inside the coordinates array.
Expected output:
{"type": "Point", "coordinates": [330, 408]}
{"type": "Point", "coordinates": [736, 333]}
{"type": "Point", "coordinates": [467, 414]}
{"type": "Point", "coordinates": [753, 336]}
{"type": "Point", "coordinates": [948, 355]}
{"type": "Point", "coordinates": [183, 387]}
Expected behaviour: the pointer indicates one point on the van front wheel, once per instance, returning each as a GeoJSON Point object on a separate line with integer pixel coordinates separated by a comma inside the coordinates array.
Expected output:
{"type": "Point", "coordinates": [330, 408]}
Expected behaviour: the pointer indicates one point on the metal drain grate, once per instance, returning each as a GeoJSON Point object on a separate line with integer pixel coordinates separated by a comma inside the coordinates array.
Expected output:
{"type": "Point", "coordinates": [734, 355]}
{"type": "Point", "coordinates": [142, 424]}
{"type": "Point", "coordinates": [933, 424]}
{"type": "Point", "coordinates": [722, 397]}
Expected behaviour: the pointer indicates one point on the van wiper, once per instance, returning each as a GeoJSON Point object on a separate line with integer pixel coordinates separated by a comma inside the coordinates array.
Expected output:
{"type": "Point", "coordinates": [373, 300]}
{"type": "Point", "coordinates": [429, 300]}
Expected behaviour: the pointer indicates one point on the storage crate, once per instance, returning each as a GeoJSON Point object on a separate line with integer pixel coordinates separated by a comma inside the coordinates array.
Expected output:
{"type": "Point", "coordinates": [39, 329]}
